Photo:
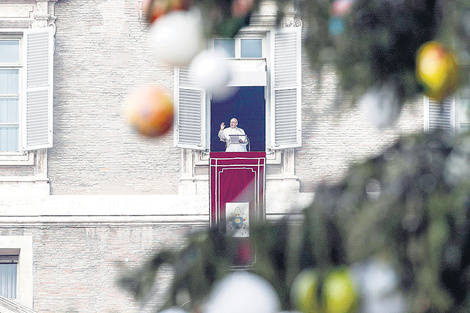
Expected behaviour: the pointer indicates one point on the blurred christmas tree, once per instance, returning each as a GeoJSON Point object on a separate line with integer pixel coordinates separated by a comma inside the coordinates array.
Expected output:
{"type": "Point", "coordinates": [403, 214]}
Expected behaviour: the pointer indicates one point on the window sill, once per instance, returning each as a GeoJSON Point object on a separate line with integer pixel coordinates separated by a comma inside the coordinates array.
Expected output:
{"type": "Point", "coordinates": [26, 158]}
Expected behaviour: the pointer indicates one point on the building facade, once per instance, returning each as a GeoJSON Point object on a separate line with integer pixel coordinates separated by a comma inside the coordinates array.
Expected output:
{"type": "Point", "coordinates": [81, 194]}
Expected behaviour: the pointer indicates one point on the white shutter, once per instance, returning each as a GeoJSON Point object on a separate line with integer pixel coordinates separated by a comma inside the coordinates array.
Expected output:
{"type": "Point", "coordinates": [190, 111]}
{"type": "Point", "coordinates": [37, 115]}
{"type": "Point", "coordinates": [439, 115]}
{"type": "Point", "coordinates": [286, 88]}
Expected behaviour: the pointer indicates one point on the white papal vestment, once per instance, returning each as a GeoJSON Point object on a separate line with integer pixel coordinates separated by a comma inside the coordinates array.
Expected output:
{"type": "Point", "coordinates": [224, 135]}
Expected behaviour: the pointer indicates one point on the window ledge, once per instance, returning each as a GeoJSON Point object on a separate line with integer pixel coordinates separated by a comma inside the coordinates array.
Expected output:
{"type": "Point", "coordinates": [272, 157]}
{"type": "Point", "coordinates": [26, 158]}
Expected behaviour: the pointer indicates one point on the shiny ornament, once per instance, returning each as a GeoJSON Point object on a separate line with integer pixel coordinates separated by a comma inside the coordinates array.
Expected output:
{"type": "Point", "coordinates": [177, 37]}
{"type": "Point", "coordinates": [212, 71]}
{"type": "Point", "coordinates": [437, 70]}
{"type": "Point", "coordinates": [155, 9]}
{"type": "Point", "coordinates": [173, 310]}
{"type": "Point", "coordinates": [303, 293]}
{"type": "Point", "coordinates": [339, 292]}
{"type": "Point", "coordinates": [150, 111]}
{"type": "Point", "coordinates": [241, 7]}
{"type": "Point", "coordinates": [380, 290]}
{"type": "Point", "coordinates": [243, 292]}
{"type": "Point", "coordinates": [341, 7]}
{"type": "Point", "coordinates": [336, 26]}
{"type": "Point", "coordinates": [381, 106]}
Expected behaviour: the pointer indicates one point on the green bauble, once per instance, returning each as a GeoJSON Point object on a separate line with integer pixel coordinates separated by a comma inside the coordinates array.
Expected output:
{"type": "Point", "coordinates": [304, 291]}
{"type": "Point", "coordinates": [340, 295]}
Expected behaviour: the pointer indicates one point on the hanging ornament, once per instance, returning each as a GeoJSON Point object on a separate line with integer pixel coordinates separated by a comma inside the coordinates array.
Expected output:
{"type": "Point", "coordinates": [437, 70]}
{"type": "Point", "coordinates": [150, 111]}
{"type": "Point", "coordinates": [241, 7]}
{"type": "Point", "coordinates": [336, 26]}
{"type": "Point", "coordinates": [243, 292]}
{"type": "Point", "coordinates": [338, 9]}
{"type": "Point", "coordinates": [340, 294]}
{"type": "Point", "coordinates": [177, 37]}
{"type": "Point", "coordinates": [379, 285]}
{"type": "Point", "coordinates": [173, 310]}
{"type": "Point", "coordinates": [341, 7]}
{"type": "Point", "coordinates": [303, 293]}
{"type": "Point", "coordinates": [212, 72]}
{"type": "Point", "coordinates": [154, 9]}
{"type": "Point", "coordinates": [381, 106]}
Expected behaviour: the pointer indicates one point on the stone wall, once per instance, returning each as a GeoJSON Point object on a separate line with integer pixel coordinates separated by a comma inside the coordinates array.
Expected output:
{"type": "Point", "coordinates": [333, 138]}
{"type": "Point", "coordinates": [75, 265]}
{"type": "Point", "coordinates": [101, 54]}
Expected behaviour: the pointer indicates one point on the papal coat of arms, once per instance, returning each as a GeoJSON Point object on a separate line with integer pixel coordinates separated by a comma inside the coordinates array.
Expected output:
{"type": "Point", "coordinates": [237, 219]}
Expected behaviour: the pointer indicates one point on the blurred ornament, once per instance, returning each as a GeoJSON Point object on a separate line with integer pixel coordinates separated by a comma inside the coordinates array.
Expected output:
{"type": "Point", "coordinates": [303, 293]}
{"type": "Point", "coordinates": [150, 111]}
{"type": "Point", "coordinates": [437, 70]}
{"type": "Point", "coordinates": [336, 26]}
{"type": "Point", "coordinates": [243, 292]}
{"type": "Point", "coordinates": [157, 8]}
{"type": "Point", "coordinates": [379, 288]}
{"type": "Point", "coordinates": [173, 310]}
{"type": "Point", "coordinates": [381, 106]}
{"type": "Point", "coordinates": [177, 37]}
{"type": "Point", "coordinates": [212, 72]}
{"type": "Point", "coordinates": [341, 7]}
{"type": "Point", "coordinates": [340, 295]}
{"type": "Point", "coordinates": [241, 7]}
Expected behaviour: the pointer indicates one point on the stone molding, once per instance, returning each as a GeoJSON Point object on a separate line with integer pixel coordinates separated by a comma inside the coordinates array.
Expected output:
{"type": "Point", "coordinates": [11, 306]}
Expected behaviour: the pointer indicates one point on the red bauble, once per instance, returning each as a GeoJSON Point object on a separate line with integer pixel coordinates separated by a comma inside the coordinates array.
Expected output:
{"type": "Point", "coordinates": [157, 8]}
{"type": "Point", "coordinates": [150, 111]}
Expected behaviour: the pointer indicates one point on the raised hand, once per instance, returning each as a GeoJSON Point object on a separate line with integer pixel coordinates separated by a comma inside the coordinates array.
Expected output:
{"type": "Point", "coordinates": [222, 126]}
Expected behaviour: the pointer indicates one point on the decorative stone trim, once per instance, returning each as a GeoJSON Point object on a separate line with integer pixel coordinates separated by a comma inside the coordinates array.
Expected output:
{"type": "Point", "coordinates": [11, 306]}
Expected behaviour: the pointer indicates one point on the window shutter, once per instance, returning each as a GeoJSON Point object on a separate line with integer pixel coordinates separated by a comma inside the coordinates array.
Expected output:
{"type": "Point", "coordinates": [439, 115]}
{"type": "Point", "coordinates": [190, 104]}
{"type": "Point", "coordinates": [286, 88]}
{"type": "Point", "coordinates": [37, 115]}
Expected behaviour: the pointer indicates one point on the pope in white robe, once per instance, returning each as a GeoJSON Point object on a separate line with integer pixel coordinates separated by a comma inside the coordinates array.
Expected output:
{"type": "Point", "coordinates": [224, 135]}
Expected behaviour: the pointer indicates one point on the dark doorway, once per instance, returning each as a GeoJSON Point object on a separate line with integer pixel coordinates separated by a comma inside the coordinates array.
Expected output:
{"type": "Point", "coordinates": [248, 106]}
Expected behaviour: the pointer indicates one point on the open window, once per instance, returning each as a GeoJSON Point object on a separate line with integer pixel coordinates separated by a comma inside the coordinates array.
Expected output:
{"type": "Point", "coordinates": [267, 74]}
{"type": "Point", "coordinates": [439, 115]}
{"type": "Point", "coordinates": [26, 91]}
{"type": "Point", "coordinates": [286, 89]}
{"type": "Point", "coordinates": [190, 113]}
{"type": "Point", "coordinates": [16, 269]}
{"type": "Point", "coordinates": [8, 272]}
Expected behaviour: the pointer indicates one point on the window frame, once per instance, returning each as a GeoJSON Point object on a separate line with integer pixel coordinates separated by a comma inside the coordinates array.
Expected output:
{"type": "Point", "coordinates": [21, 154]}
{"type": "Point", "coordinates": [452, 104]}
{"type": "Point", "coordinates": [13, 255]}
{"type": "Point", "coordinates": [254, 72]}
{"type": "Point", "coordinates": [23, 245]}
{"type": "Point", "coordinates": [459, 120]}
{"type": "Point", "coordinates": [25, 155]}
{"type": "Point", "coordinates": [238, 49]}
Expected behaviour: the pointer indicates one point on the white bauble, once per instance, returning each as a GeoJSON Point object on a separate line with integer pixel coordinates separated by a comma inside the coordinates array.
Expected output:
{"type": "Point", "coordinates": [177, 37]}
{"type": "Point", "coordinates": [380, 106]}
{"type": "Point", "coordinates": [212, 71]}
{"type": "Point", "coordinates": [173, 310]}
{"type": "Point", "coordinates": [243, 292]}
{"type": "Point", "coordinates": [379, 287]}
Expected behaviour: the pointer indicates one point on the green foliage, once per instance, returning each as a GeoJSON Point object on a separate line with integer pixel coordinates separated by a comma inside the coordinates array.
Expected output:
{"type": "Point", "coordinates": [409, 205]}
{"type": "Point", "coordinates": [381, 38]}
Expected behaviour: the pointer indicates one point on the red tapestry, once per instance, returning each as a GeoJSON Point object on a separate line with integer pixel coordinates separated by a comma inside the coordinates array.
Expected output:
{"type": "Point", "coordinates": [236, 177]}
{"type": "Point", "coordinates": [237, 198]}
